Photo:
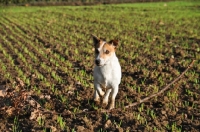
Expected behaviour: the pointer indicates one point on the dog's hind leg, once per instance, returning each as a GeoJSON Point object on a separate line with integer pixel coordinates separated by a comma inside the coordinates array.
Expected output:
{"type": "Point", "coordinates": [113, 95]}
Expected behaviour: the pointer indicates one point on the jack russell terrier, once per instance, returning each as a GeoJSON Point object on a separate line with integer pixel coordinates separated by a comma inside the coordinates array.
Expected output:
{"type": "Point", "coordinates": [107, 71]}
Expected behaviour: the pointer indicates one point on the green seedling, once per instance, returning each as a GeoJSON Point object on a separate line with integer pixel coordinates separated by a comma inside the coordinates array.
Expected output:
{"type": "Point", "coordinates": [152, 114]}
{"type": "Point", "coordinates": [118, 124]}
{"type": "Point", "coordinates": [63, 99]}
{"type": "Point", "coordinates": [15, 127]}
{"type": "Point", "coordinates": [41, 121]}
{"type": "Point", "coordinates": [106, 116]}
{"type": "Point", "coordinates": [61, 122]}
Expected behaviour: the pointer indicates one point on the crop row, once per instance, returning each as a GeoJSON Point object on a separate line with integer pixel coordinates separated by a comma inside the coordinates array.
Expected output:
{"type": "Point", "coordinates": [50, 50]}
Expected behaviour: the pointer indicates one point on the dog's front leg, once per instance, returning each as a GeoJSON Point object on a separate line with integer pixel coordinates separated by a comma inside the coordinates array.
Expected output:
{"type": "Point", "coordinates": [98, 91]}
{"type": "Point", "coordinates": [113, 96]}
{"type": "Point", "coordinates": [106, 96]}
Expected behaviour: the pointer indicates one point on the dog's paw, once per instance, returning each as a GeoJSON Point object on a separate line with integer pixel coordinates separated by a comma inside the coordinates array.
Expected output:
{"type": "Point", "coordinates": [97, 99]}
{"type": "Point", "coordinates": [102, 93]}
{"type": "Point", "coordinates": [112, 106]}
{"type": "Point", "coordinates": [105, 102]}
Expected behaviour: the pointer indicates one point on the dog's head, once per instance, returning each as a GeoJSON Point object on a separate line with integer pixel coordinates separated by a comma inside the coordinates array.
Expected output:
{"type": "Point", "coordinates": [104, 51]}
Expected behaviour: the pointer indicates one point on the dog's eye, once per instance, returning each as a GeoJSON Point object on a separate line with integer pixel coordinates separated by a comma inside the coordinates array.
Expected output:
{"type": "Point", "coordinates": [107, 52]}
{"type": "Point", "coordinates": [96, 51]}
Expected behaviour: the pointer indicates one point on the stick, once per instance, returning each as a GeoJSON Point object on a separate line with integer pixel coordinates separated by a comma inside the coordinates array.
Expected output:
{"type": "Point", "coordinates": [163, 90]}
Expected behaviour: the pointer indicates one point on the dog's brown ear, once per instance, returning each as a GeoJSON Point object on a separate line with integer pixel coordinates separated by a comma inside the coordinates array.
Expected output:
{"type": "Point", "coordinates": [114, 42]}
{"type": "Point", "coordinates": [96, 40]}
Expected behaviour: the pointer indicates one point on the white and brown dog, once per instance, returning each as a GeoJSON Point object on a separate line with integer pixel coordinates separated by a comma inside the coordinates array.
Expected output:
{"type": "Point", "coordinates": [107, 72]}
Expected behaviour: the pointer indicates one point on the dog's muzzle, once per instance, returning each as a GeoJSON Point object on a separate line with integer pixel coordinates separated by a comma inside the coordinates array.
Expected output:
{"type": "Point", "coordinates": [97, 61]}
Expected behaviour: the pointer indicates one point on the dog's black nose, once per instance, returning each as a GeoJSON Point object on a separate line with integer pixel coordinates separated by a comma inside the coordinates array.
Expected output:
{"type": "Point", "coordinates": [97, 62]}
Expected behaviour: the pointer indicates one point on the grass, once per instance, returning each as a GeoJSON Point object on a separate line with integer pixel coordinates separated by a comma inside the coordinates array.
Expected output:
{"type": "Point", "coordinates": [49, 51]}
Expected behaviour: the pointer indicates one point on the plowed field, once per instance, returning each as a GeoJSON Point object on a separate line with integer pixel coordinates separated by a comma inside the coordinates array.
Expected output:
{"type": "Point", "coordinates": [47, 60]}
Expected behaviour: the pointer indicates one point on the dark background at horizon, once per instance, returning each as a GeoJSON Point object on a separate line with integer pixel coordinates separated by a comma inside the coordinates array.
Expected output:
{"type": "Point", "coordinates": [72, 2]}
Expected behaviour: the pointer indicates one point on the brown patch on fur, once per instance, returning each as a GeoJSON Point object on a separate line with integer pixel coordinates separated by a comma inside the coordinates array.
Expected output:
{"type": "Point", "coordinates": [113, 42]}
{"type": "Point", "coordinates": [108, 47]}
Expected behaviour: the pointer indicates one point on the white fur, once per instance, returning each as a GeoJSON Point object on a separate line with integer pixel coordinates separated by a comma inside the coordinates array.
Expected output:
{"type": "Point", "coordinates": [107, 76]}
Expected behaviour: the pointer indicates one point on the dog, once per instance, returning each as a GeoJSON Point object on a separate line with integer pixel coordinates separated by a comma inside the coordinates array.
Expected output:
{"type": "Point", "coordinates": [107, 71]}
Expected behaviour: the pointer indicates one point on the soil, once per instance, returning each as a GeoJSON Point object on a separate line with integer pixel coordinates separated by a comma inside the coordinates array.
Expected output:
{"type": "Point", "coordinates": [42, 109]}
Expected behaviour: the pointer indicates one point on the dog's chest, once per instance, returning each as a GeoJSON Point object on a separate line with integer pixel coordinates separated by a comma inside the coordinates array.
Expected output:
{"type": "Point", "coordinates": [104, 76]}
